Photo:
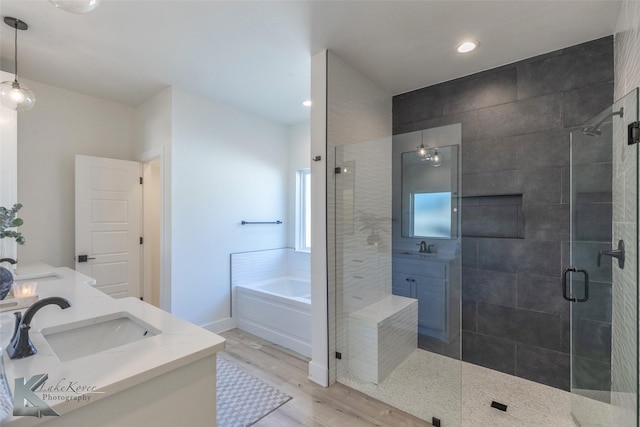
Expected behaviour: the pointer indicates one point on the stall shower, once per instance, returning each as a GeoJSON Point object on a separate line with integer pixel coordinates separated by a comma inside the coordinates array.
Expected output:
{"type": "Point", "coordinates": [480, 289]}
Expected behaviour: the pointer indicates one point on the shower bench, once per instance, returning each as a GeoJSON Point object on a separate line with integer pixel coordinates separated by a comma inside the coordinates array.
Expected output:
{"type": "Point", "coordinates": [381, 336]}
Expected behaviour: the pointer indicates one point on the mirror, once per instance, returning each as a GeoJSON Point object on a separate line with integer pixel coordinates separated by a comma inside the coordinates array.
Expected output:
{"type": "Point", "coordinates": [430, 195]}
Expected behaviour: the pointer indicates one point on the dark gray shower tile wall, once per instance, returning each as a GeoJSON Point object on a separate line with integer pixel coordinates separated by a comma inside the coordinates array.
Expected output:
{"type": "Point", "coordinates": [516, 123]}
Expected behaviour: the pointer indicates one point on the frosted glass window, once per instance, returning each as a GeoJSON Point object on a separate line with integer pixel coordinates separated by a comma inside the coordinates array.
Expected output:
{"type": "Point", "coordinates": [432, 214]}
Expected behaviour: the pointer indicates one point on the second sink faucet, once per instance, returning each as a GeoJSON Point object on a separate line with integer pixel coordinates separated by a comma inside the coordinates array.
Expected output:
{"type": "Point", "coordinates": [424, 249]}
{"type": "Point", "coordinates": [20, 345]}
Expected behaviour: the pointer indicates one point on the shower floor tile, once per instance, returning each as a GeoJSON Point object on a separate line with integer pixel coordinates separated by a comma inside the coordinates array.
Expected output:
{"type": "Point", "coordinates": [460, 394]}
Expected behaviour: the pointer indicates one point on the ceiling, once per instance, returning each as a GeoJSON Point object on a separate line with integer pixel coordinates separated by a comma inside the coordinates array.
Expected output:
{"type": "Point", "coordinates": [255, 55]}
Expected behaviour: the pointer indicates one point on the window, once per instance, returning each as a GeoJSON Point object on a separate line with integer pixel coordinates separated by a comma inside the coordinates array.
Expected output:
{"type": "Point", "coordinates": [431, 215]}
{"type": "Point", "coordinates": [303, 210]}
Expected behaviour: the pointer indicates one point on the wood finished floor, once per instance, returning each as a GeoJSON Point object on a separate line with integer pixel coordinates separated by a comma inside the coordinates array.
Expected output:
{"type": "Point", "coordinates": [312, 405]}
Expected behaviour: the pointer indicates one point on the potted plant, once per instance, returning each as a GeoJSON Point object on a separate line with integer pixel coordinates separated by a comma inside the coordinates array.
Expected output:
{"type": "Point", "coordinates": [8, 222]}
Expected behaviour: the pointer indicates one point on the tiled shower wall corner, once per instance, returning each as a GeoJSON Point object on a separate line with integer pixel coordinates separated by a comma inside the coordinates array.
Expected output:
{"type": "Point", "coordinates": [257, 266]}
{"type": "Point", "coordinates": [357, 111]}
{"type": "Point", "coordinates": [627, 48]}
{"type": "Point", "coordinates": [516, 121]}
{"type": "Point", "coordinates": [363, 211]}
{"type": "Point", "coordinates": [627, 77]}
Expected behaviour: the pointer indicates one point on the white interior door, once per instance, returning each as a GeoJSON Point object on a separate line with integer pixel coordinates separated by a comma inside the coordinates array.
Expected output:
{"type": "Point", "coordinates": [108, 224]}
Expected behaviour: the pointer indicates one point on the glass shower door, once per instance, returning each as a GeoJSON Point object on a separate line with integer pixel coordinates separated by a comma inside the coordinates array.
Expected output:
{"type": "Point", "coordinates": [602, 279]}
{"type": "Point", "coordinates": [377, 327]}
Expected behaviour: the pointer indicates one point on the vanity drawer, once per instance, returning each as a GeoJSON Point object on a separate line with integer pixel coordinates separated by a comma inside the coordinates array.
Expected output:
{"type": "Point", "coordinates": [420, 267]}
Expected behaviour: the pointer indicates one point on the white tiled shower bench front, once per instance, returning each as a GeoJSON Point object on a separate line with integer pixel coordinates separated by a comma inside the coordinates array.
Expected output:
{"type": "Point", "coordinates": [381, 336]}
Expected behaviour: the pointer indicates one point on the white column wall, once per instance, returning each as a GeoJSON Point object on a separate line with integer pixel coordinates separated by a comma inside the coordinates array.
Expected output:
{"type": "Point", "coordinates": [348, 108]}
{"type": "Point", "coordinates": [319, 365]}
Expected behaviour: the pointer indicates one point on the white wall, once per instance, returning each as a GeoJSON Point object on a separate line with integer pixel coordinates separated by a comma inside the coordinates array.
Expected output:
{"type": "Point", "coordinates": [153, 123]}
{"type": "Point", "coordinates": [319, 365]}
{"type": "Point", "coordinates": [347, 109]}
{"type": "Point", "coordinates": [62, 124]}
{"type": "Point", "coordinates": [358, 111]}
{"type": "Point", "coordinates": [154, 133]}
{"type": "Point", "coordinates": [227, 166]}
{"type": "Point", "coordinates": [299, 158]}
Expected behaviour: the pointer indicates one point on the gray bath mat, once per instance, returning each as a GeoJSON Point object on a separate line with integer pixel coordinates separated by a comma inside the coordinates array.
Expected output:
{"type": "Point", "coordinates": [242, 398]}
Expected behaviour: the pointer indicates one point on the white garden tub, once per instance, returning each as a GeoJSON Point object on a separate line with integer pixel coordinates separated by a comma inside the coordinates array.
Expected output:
{"type": "Point", "coordinates": [278, 310]}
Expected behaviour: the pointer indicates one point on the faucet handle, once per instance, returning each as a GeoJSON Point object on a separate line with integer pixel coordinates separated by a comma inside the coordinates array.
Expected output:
{"type": "Point", "coordinates": [18, 315]}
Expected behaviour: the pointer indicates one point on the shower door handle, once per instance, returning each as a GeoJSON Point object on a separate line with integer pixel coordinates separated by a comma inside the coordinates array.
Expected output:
{"type": "Point", "coordinates": [565, 286]}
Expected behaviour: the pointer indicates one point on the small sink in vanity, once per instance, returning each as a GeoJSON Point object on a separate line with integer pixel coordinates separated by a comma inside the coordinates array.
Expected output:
{"type": "Point", "coordinates": [74, 340]}
{"type": "Point", "coordinates": [422, 255]}
{"type": "Point", "coordinates": [42, 277]}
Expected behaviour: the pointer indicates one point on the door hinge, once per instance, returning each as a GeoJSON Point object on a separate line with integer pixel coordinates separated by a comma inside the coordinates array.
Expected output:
{"type": "Point", "coordinates": [634, 133]}
{"type": "Point", "coordinates": [338, 355]}
{"type": "Point", "coordinates": [141, 180]}
{"type": "Point", "coordinates": [338, 170]}
{"type": "Point", "coordinates": [141, 240]}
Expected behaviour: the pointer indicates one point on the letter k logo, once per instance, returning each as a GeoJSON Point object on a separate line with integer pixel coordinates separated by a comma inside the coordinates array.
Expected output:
{"type": "Point", "coordinates": [24, 392]}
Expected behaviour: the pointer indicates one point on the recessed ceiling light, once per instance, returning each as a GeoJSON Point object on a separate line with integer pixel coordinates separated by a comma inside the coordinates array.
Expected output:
{"type": "Point", "coordinates": [467, 47]}
{"type": "Point", "coordinates": [306, 103]}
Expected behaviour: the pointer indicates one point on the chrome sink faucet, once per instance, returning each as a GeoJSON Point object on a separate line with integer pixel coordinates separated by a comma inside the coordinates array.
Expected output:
{"type": "Point", "coordinates": [423, 247]}
{"type": "Point", "coordinates": [20, 345]}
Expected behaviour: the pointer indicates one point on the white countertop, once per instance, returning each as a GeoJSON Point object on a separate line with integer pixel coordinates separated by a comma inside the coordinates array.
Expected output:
{"type": "Point", "coordinates": [109, 371]}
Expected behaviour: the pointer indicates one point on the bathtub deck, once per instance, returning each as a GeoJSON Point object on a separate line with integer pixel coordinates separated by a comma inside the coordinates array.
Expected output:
{"type": "Point", "coordinates": [311, 405]}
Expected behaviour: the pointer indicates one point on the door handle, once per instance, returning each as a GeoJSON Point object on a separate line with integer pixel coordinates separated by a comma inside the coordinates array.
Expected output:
{"type": "Point", "coordinates": [84, 258]}
{"type": "Point", "coordinates": [565, 287]}
{"type": "Point", "coordinates": [614, 253]}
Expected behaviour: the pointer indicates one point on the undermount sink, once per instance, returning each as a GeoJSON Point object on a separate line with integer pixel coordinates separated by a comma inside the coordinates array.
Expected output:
{"type": "Point", "coordinates": [42, 277]}
{"type": "Point", "coordinates": [74, 340]}
{"type": "Point", "coordinates": [420, 254]}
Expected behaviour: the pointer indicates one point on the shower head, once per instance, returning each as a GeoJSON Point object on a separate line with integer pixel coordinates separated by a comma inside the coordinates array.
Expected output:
{"type": "Point", "coordinates": [594, 130]}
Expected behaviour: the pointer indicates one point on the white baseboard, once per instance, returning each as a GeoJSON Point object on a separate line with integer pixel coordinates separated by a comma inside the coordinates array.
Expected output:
{"type": "Point", "coordinates": [281, 338]}
{"type": "Point", "coordinates": [319, 374]}
{"type": "Point", "coordinates": [220, 325]}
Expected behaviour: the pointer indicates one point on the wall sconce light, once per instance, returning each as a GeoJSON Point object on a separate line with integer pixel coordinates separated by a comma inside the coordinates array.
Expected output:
{"type": "Point", "coordinates": [76, 6]}
{"type": "Point", "coordinates": [12, 94]}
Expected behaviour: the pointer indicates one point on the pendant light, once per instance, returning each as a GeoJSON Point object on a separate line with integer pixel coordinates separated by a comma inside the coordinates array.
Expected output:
{"type": "Point", "coordinates": [76, 6]}
{"type": "Point", "coordinates": [421, 150]}
{"type": "Point", "coordinates": [436, 158]}
{"type": "Point", "coordinates": [12, 94]}
{"type": "Point", "coordinates": [428, 154]}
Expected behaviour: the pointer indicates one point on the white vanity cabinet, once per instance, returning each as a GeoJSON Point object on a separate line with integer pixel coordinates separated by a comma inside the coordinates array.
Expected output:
{"type": "Point", "coordinates": [428, 281]}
